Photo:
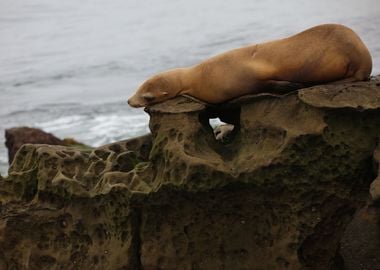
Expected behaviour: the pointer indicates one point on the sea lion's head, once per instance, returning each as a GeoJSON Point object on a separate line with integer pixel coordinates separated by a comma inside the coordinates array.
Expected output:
{"type": "Point", "coordinates": [152, 91]}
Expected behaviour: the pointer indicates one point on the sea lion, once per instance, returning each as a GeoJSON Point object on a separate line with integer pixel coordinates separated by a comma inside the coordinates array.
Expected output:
{"type": "Point", "coordinates": [222, 132]}
{"type": "Point", "coordinates": [322, 54]}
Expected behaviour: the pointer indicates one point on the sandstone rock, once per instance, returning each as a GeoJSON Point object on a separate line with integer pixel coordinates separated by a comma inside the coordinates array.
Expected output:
{"type": "Point", "coordinates": [52, 217]}
{"type": "Point", "coordinates": [352, 95]}
{"type": "Point", "coordinates": [279, 195]}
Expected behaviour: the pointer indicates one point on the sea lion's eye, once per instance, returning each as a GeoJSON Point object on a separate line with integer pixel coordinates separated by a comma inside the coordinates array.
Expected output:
{"type": "Point", "coordinates": [148, 97]}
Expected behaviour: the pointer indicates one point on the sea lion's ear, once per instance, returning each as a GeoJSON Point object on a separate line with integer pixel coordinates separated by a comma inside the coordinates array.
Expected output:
{"type": "Point", "coordinates": [164, 93]}
{"type": "Point", "coordinates": [148, 96]}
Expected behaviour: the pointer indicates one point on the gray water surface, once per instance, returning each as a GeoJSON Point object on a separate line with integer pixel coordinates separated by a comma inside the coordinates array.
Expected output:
{"type": "Point", "coordinates": [69, 66]}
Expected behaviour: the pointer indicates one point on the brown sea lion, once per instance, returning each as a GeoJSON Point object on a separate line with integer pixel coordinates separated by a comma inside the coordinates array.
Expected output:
{"type": "Point", "coordinates": [322, 54]}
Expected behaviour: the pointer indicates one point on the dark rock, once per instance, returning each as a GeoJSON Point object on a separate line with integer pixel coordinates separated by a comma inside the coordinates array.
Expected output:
{"type": "Point", "coordinates": [375, 186]}
{"type": "Point", "coordinates": [281, 194]}
{"type": "Point", "coordinates": [16, 137]}
{"type": "Point", "coordinates": [360, 245]}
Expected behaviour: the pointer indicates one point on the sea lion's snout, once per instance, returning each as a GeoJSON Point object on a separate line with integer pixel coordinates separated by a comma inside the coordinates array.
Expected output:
{"type": "Point", "coordinates": [132, 102]}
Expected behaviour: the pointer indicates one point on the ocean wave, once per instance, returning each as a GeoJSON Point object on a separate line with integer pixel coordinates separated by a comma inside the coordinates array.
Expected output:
{"type": "Point", "coordinates": [96, 130]}
{"type": "Point", "coordinates": [75, 72]}
{"type": "Point", "coordinates": [94, 125]}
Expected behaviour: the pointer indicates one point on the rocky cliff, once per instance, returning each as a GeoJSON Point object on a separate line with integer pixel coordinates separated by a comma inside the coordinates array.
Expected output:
{"type": "Point", "coordinates": [17, 137]}
{"type": "Point", "coordinates": [294, 188]}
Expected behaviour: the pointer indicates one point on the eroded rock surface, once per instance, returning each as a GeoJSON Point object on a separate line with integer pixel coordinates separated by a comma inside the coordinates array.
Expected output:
{"type": "Point", "coordinates": [281, 195]}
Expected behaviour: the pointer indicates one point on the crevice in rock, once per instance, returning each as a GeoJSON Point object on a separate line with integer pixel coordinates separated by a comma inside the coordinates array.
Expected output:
{"type": "Point", "coordinates": [135, 250]}
{"type": "Point", "coordinates": [31, 188]}
{"type": "Point", "coordinates": [228, 147]}
{"type": "Point", "coordinates": [317, 248]}
{"type": "Point", "coordinates": [226, 114]}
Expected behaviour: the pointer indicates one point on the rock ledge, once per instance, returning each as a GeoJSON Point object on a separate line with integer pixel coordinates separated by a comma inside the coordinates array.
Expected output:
{"type": "Point", "coordinates": [288, 191]}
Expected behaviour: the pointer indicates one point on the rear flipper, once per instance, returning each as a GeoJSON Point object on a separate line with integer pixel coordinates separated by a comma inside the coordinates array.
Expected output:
{"type": "Point", "coordinates": [223, 133]}
{"type": "Point", "coordinates": [348, 80]}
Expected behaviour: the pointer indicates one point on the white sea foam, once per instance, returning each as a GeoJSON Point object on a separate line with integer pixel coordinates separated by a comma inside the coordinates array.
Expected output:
{"type": "Point", "coordinates": [99, 129]}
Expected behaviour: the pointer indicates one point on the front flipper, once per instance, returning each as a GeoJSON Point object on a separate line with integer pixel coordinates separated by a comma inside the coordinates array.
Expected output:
{"type": "Point", "coordinates": [283, 87]}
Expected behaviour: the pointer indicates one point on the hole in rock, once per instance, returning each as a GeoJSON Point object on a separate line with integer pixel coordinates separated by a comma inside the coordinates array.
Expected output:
{"type": "Point", "coordinates": [223, 121]}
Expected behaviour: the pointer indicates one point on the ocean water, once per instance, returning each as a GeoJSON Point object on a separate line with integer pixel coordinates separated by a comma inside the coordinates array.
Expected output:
{"type": "Point", "coordinates": [69, 66]}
